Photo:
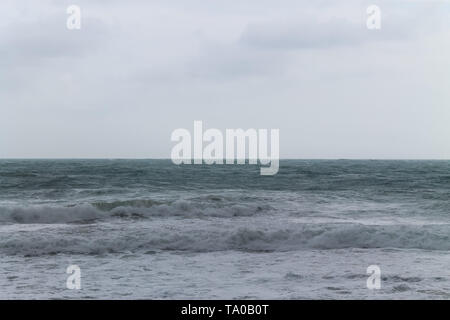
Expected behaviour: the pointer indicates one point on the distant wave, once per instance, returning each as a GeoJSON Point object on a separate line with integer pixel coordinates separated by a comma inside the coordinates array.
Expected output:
{"type": "Point", "coordinates": [292, 238]}
{"type": "Point", "coordinates": [137, 203]}
{"type": "Point", "coordinates": [49, 214]}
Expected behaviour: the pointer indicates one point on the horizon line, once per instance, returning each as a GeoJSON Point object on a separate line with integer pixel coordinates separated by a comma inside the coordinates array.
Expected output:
{"type": "Point", "coordinates": [125, 158]}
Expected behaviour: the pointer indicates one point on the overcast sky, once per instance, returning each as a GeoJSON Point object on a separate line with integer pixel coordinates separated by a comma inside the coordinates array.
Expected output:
{"type": "Point", "coordinates": [137, 70]}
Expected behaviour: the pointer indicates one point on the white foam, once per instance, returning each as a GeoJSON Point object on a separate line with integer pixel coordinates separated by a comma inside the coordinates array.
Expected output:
{"type": "Point", "coordinates": [209, 239]}
{"type": "Point", "coordinates": [48, 214]}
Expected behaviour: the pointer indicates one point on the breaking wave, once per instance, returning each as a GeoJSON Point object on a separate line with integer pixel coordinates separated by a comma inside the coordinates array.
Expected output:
{"type": "Point", "coordinates": [83, 213]}
{"type": "Point", "coordinates": [210, 239]}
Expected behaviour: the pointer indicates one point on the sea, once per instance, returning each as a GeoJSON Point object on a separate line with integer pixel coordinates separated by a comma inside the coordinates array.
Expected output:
{"type": "Point", "coordinates": [150, 229]}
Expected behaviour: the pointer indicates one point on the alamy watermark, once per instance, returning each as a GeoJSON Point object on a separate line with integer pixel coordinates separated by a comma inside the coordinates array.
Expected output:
{"type": "Point", "coordinates": [374, 279]}
{"type": "Point", "coordinates": [240, 145]}
{"type": "Point", "coordinates": [373, 21]}
{"type": "Point", "coordinates": [74, 279]}
{"type": "Point", "coordinates": [74, 19]}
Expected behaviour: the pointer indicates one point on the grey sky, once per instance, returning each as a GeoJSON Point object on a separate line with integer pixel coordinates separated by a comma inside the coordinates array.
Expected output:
{"type": "Point", "coordinates": [137, 70]}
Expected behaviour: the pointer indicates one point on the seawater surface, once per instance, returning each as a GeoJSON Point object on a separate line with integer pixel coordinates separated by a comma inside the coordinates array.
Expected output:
{"type": "Point", "coordinates": [150, 229]}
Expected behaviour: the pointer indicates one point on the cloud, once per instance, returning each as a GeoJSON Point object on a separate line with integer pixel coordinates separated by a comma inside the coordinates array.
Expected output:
{"type": "Point", "coordinates": [233, 61]}
{"type": "Point", "coordinates": [49, 39]}
{"type": "Point", "coordinates": [306, 33]}
{"type": "Point", "coordinates": [136, 71]}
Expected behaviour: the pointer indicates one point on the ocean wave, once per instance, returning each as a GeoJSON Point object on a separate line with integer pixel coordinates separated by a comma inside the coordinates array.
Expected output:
{"type": "Point", "coordinates": [137, 203]}
{"type": "Point", "coordinates": [84, 213]}
{"type": "Point", "coordinates": [49, 214]}
{"type": "Point", "coordinates": [211, 239]}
